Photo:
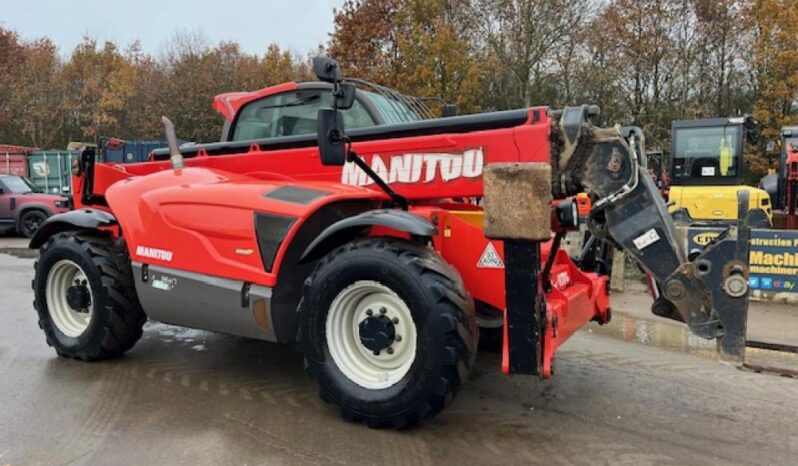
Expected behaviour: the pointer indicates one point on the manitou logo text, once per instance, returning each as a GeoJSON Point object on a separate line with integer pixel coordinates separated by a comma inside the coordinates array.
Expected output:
{"type": "Point", "coordinates": [152, 253]}
{"type": "Point", "coordinates": [415, 168]}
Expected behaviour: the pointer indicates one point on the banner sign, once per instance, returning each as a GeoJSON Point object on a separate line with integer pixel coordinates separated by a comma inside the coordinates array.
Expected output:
{"type": "Point", "coordinates": [773, 263]}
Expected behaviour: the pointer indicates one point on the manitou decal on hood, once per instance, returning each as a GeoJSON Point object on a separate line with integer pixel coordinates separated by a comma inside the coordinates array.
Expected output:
{"type": "Point", "coordinates": [415, 168]}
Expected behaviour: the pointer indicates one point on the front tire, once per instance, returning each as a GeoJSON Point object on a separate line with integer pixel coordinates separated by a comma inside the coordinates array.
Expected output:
{"type": "Point", "coordinates": [387, 330]}
{"type": "Point", "coordinates": [85, 296]}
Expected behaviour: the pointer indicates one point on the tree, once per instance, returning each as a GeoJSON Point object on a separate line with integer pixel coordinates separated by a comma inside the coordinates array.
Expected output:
{"type": "Point", "coordinates": [278, 66]}
{"type": "Point", "coordinates": [775, 61]}
{"type": "Point", "coordinates": [12, 56]}
{"type": "Point", "coordinates": [365, 40]}
{"type": "Point", "coordinates": [138, 82]}
{"type": "Point", "coordinates": [723, 40]}
{"type": "Point", "coordinates": [194, 73]}
{"type": "Point", "coordinates": [419, 47]}
{"type": "Point", "coordinates": [38, 99]}
{"type": "Point", "coordinates": [437, 58]}
{"type": "Point", "coordinates": [524, 40]}
{"type": "Point", "coordinates": [644, 62]}
{"type": "Point", "coordinates": [94, 94]}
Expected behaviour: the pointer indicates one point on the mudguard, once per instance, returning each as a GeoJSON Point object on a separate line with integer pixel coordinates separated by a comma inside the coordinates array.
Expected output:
{"type": "Point", "coordinates": [33, 206]}
{"type": "Point", "coordinates": [83, 219]}
{"type": "Point", "coordinates": [344, 230]}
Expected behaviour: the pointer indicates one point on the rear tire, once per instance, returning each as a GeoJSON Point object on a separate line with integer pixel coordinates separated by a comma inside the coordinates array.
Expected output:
{"type": "Point", "coordinates": [85, 296]}
{"type": "Point", "coordinates": [30, 221]}
{"type": "Point", "coordinates": [370, 374]}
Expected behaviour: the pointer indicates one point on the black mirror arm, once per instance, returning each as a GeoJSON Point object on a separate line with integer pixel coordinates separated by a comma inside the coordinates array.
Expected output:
{"type": "Point", "coordinates": [397, 198]}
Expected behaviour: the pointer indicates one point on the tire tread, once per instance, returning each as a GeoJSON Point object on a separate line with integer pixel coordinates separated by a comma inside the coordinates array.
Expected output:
{"type": "Point", "coordinates": [126, 318]}
{"type": "Point", "coordinates": [455, 308]}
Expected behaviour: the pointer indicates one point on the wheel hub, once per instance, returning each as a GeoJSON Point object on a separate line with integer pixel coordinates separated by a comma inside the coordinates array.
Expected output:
{"type": "Point", "coordinates": [377, 333]}
{"type": "Point", "coordinates": [69, 298]}
{"type": "Point", "coordinates": [371, 334]}
{"type": "Point", "coordinates": [78, 297]}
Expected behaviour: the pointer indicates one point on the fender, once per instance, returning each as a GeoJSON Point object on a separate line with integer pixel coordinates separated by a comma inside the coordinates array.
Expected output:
{"type": "Point", "coordinates": [76, 220]}
{"type": "Point", "coordinates": [21, 209]}
{"type": "Point", "coordinates": [341, 231]}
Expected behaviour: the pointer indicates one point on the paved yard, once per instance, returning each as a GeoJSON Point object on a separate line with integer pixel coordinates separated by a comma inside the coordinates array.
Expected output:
{"type": "Point", "coordinates": [190, 397]}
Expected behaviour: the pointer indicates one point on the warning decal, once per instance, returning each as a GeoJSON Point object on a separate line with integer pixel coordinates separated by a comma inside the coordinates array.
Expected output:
{"type": "Point", "coordinates": [490, 258]}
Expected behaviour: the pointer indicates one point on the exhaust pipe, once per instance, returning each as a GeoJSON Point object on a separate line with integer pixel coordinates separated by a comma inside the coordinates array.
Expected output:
{"type": "Point", "coordinates": [174, 151]}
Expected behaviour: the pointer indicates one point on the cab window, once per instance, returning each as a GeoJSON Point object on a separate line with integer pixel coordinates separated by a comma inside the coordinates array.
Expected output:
{"type": "Point", "coordinates": [291, 114]}
{"type": "Point", "coordinates": [393, 110]}
{"type": "Point", "coordinates": [707, 152]}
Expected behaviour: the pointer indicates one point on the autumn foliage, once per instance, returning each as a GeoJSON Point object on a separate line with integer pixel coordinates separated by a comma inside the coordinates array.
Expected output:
{"type": "Point", "coordinates": [102, 90]}
{"type": "Point", "coordinates": [645, 62]}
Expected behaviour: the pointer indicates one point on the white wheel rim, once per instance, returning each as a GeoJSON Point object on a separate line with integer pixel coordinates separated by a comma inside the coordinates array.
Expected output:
{"type": "Point", "coordinates": [63, 275]}
{"type": "Point", "coordinates": [357, 362]}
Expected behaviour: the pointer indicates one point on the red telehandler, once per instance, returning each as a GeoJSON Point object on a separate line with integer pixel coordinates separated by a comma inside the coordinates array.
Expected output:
{"type": "Point", "coordinates": [379, 249]}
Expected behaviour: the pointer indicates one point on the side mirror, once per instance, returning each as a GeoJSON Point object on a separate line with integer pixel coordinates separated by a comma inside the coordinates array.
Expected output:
{"type": "Point", "coordinates": [449, 110]}
{"type": "Point", "coordinates": [327, 69]}
{"type": "Point", "coordinates": [752, 137]}
{"type": "Point", "coordinates": [345, 97]}
{"type": "Point", "coordinates": [751, 127]}
{"type": "Point", "coordinates": [330, 133]}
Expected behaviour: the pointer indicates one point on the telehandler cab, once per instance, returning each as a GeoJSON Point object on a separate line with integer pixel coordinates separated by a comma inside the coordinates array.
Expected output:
{"type": "Point", "coordinates": [380, 250]}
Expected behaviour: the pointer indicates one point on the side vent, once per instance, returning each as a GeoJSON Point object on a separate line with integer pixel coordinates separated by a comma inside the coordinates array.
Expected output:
{"type": "Point", "coordinates": [271, 230]}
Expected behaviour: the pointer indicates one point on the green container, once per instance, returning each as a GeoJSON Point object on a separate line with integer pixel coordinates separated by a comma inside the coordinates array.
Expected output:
{"type": "Point", "coordinates": [51, 171]}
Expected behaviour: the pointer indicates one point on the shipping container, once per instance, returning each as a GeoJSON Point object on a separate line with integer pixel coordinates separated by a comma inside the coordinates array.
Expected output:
{"type": "Point", "coordinates": [132, 151]}
{"type": "Point", "coordinates": [11, 149]}
{"type": "Point", "coordinates": [51, 171]}
{"type": "Point", "coordinates": [13, 164]}
{"type": "Point", "coordinates": [13, 159]}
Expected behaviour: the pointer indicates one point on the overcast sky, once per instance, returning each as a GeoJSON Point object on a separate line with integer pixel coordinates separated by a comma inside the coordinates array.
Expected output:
{"type": "Point", "coordinates": [299, 25]}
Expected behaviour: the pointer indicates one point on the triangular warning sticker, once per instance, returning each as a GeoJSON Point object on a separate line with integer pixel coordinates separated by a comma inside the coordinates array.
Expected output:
{"type": "Point", "coordinates": [490, 258]}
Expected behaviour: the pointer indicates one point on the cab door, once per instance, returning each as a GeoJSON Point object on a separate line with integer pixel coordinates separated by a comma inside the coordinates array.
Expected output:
{"type": "Point", "coordinates": [7, 201]}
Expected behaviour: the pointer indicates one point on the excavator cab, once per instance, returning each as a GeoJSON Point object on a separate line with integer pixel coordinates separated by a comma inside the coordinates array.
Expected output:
{"type": "Point", "coordinates": [707, 169]}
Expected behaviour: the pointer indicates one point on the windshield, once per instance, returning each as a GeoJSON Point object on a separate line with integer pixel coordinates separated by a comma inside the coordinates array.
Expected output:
{"type": "Point", "coordinates": [707, 152]}
{"type": "Point", "coordinates": [18, 185]}
{"type": "Point", "coordinates": [292, 114]}
{"type": "Point", "coordinates": [392, 110]}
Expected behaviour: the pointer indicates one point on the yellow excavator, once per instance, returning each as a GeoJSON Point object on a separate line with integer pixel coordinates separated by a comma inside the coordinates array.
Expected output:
{"type": "Point", "coordinates": [706, 170]}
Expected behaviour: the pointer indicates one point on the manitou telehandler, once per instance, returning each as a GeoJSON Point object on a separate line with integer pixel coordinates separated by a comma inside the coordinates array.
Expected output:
{"type": "Point", "coordinates": [371, 247]}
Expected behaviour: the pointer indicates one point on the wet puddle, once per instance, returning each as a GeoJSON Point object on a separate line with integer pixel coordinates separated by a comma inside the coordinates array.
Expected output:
{"type": "Point", "coordinates": [648, 332]}
{"type": "Point", "coordinates": [676, 337]}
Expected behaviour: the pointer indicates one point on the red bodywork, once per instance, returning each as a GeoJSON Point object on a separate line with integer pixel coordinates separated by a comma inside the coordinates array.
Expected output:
{"type": "Point", "coordinates": [204, 212]}
{"type": "Point", "coordinates": [792, 187]}
{"type": "Point", "coordinates": [230, 103]}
